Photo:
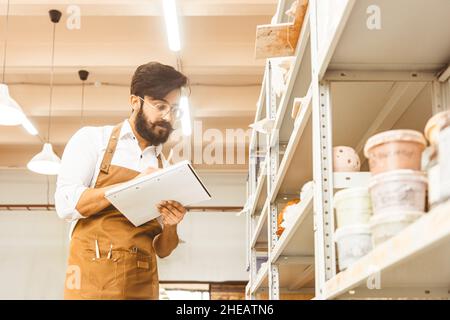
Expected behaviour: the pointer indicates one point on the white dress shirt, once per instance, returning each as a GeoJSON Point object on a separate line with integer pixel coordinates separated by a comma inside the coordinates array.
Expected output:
{"type": "Point", "coordinates": [81, 160]}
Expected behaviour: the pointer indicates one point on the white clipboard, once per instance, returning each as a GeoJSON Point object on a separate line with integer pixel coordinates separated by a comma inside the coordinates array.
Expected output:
{"type": "Point", "coordinates": [137, 198]}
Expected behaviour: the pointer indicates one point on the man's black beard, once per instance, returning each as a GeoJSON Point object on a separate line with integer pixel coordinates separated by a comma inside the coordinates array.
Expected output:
{"type": "Point", "coordinates": [149, 131]}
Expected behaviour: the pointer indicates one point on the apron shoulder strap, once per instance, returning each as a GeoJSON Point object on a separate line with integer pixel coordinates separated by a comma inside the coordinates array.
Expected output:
{"type": "Point", "coordinates": [160, 163]}
{"type": "Point", "coordinates": [111, 147]}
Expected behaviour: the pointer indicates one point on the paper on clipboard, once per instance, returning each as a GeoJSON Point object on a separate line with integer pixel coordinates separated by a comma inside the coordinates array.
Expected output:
{"type": "Point", "coordinates": [137, 198]}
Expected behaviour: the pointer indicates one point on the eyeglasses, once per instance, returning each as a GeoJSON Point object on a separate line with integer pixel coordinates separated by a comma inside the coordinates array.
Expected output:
{"type": "Point", "coordinates": [164, 109]}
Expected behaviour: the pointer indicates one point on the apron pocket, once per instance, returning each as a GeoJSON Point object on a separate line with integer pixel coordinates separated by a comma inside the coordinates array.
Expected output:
{"type": "Point", "coordinates": [142, 276]}
{"type": "Point", "coordinates": [103, 277]}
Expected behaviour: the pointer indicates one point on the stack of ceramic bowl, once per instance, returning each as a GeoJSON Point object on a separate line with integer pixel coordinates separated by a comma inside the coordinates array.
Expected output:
{"type": "Point", "coordinates": [437, 159]}
{"type": "Point", "coordinates": [353, 237]}
{"type": "Point", "coordinates": [397, 186]}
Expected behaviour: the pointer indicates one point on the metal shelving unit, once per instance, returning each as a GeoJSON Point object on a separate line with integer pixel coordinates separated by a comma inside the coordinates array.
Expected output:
{"type": "Point", "coordinates": [414, 263]}
{"type": "Point", "coordinates": [356, 79]}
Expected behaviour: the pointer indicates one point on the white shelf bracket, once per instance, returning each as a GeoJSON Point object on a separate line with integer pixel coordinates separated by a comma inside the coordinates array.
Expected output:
{"type": "Point", "coordinates": [440, 96]}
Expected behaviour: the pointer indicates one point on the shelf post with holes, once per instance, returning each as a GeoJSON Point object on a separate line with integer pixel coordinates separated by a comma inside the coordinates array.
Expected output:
{"type": "Point", "coordinates": [273, 155]}
{"type": "Point", "coordinates": [251, 221]}
{"type": "Point", "coordinates": [323, 186]}
{"type": "Point", "coordinates": [325, 259]}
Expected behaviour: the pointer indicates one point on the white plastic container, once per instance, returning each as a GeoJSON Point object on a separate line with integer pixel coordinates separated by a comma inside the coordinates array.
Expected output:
{"type": "Point", "coordinates": [398, 191]}
{"type": "Point", "coordinates": [306, 190]}
{"type": "Point", "coordinates": [434, 126]}
{"type": "Point", "coordinates": [434, 187]}
{"type": "Point", "coordinates": [385, 226]}
{"type": "Point", "coordinates": [444, 162]}
{"type": "Point", "coordinates": [353, 242]}
{"type": "Point", "coordinates": [395, 150]}
{"type": "Point", "coordinates": [431, 165]}
{"type": "Point", "coordinates": [353, 206]}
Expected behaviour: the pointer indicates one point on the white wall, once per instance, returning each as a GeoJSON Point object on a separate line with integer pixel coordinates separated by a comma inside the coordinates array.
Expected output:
{"type": "Point", "coordinates": [33, 253]}
{"type": "Point", "coordinates": [33, 245]}
{"type": "Point", "coordinates": [214, 249]}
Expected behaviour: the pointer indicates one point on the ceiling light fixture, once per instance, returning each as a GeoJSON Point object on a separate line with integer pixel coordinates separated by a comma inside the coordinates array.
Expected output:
{"type": "Point", "coordinates": [46, 161]}
{"type": "Point", "coordinates": [11, 113]}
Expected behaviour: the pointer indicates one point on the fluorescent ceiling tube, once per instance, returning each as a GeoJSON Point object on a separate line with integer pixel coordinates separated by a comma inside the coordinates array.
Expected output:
{"type": "Point", "coordinates": [29, 127]}
{"type": "Point", "coordinates": [186, 116]}
{"type": "Point", "coordinates": [171, 17]}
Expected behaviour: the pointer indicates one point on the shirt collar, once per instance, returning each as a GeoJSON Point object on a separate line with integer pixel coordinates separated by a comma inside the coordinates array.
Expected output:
{"type": "Point", "coordinates": [127, 132]}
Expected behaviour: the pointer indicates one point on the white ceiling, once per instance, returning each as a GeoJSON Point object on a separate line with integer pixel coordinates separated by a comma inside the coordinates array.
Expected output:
{"type": "Point", "coordinates": [116, 36]}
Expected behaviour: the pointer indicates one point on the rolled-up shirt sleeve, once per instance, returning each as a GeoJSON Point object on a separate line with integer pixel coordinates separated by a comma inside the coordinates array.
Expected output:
{"type": "Point", "coordinates": [160, 220]}
{"type": "Point", "coordinates": [78, 165]}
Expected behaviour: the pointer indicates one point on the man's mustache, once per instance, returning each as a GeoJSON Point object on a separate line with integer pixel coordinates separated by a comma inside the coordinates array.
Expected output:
{"type": "Point", "coordinates": [164, 124]}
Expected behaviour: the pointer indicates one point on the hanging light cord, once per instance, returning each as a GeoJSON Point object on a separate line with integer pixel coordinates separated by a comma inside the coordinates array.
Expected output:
{"type": "Point", "coordinates": [6, 42]}
{"type": "Point", "coordinates": [82, 104]}
{"type": "Point", "coordinates": [51, 84]}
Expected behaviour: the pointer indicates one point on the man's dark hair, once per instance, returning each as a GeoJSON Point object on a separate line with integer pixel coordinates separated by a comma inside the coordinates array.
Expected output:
{"type": "Point", "coordinates": [156, 80]}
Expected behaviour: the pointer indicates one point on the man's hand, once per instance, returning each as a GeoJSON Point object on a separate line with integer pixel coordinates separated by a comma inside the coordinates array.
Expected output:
{"type": "Point", "coordinates": [172, 212]}
{"type": "Point", "coordinates": [165, 242]}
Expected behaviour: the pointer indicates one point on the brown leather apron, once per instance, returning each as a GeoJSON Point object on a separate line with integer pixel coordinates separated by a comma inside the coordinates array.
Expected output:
{"type": "Point", "coordinates": [129, 270]}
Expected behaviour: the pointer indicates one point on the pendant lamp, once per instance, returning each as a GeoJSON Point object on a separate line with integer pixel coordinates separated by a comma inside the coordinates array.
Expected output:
{"type": "Point", "coordinates": [46, 161]}
{"type": "Point", "coordinates": [11, 113]}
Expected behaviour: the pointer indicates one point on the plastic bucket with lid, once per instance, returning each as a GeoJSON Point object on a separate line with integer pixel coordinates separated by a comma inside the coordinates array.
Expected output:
{"type": "Point", "coordinates": [398, 191]}
{"type": "Point", "coordinates": [353, 242]}
{"type": "Point", "coordinates": [434, 186]}
{"type": "Point", "coordinates": [431, 166]}
{"type": "Point", "coordinates": [434, 126]}
{"type": "Point", "coordinates": [395, 149]}
{"type": "Point", "coordinates": [387, 225]}
{"type": "Point", "coordinates": [353, 206]}
{"type": "Point", "coordinates": [444, 161]}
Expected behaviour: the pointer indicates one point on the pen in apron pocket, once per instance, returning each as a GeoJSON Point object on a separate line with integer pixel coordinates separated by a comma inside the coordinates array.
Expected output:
{"type": "Point", "coordinates": [97, 250]}
{"type": "Point", "coordinates": [110, 251]}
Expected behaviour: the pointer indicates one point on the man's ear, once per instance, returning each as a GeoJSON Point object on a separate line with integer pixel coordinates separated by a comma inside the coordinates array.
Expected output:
{"type": "Point", "coordinates": [135, 103]}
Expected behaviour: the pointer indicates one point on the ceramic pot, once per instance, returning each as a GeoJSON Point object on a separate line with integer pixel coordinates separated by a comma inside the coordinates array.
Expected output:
{"type": "Point", "coordinates": [345, 159]}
